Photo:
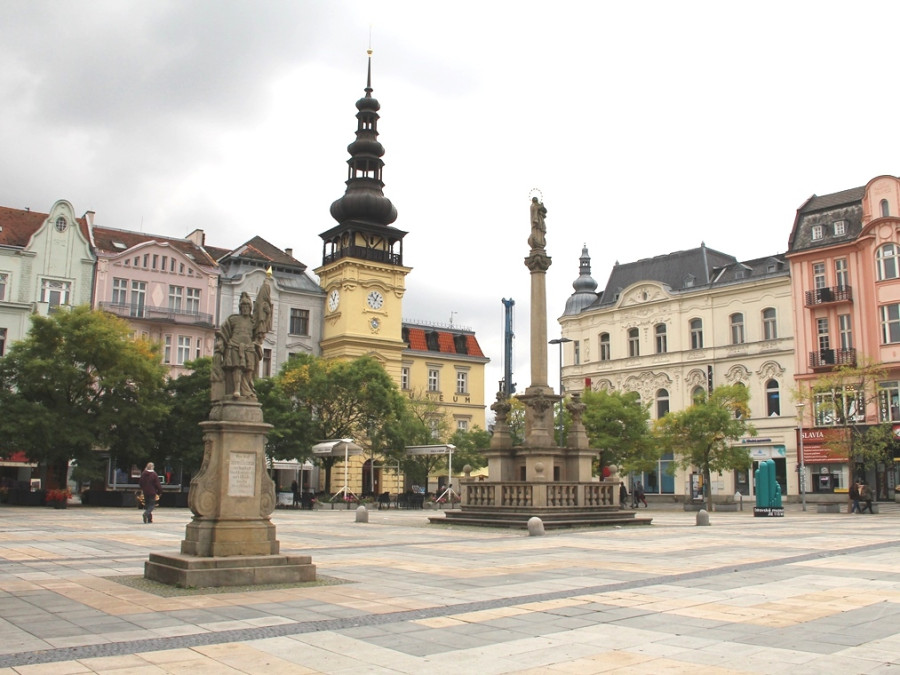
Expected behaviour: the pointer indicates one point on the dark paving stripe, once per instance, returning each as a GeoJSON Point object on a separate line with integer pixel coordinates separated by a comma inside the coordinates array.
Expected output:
{"type": "Point", "coordinates": [300, 628]}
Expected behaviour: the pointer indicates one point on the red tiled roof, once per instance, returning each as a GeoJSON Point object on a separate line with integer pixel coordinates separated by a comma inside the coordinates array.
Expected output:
{"type": "Point", "coordinates": [446, 345]}
{"type": "Point", "coordinates": [104, 238]}
{"type": "Point", "coordinates": [417, 340]}
{"type": "Point", "coordinates": [18, 226]}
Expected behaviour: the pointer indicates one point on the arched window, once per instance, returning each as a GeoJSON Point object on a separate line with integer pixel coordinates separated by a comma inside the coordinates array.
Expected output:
{"type": "Point", "coordinates": [634, 342]}
{"type": "Point", "coordinates": [661, 342]}
{"type": "Point", "coordinates": [696, 333]}
{"type": "Point", "coordinates": [885, 208]}
{"type": "Point", "coordinates": [737, 329]}
{"type": "Point", "coordinates": [773, 399]}
{"type": "Point", "coordinates": [698, 393]}
{"type": "Point", "coordinates": [605, 353]}
{"type": "Point", "coordinates": [662, 403]}
{"type": "Point", "coordinates": [770, 327]}
{"type": "Point", "coordinates": [886, 262]}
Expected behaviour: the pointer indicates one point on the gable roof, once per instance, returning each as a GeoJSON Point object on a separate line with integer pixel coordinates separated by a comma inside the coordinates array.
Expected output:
{"type": "Point", "coordinates": [17, 226]}
{"type": "Point", "coordinates": [442, 341]}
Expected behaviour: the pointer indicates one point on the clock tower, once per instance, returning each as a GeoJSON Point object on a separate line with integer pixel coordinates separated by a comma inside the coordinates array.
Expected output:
{"type": "Point", "coordinates": [362, 270]}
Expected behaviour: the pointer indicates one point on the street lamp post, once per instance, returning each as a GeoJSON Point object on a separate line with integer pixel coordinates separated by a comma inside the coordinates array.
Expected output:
{"type": "Point", "coordinates": [560, 341]}
{"type": "Point", "coordinates": [802, 476]}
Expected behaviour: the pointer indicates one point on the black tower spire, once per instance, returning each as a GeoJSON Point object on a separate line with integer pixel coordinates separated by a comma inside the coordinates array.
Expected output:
{"type": "Point", "coordinates": [364, 214]}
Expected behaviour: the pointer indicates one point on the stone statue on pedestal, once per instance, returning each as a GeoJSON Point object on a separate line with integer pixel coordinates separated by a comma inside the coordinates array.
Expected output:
{"type": "Point", "coordinates": [238, 347]}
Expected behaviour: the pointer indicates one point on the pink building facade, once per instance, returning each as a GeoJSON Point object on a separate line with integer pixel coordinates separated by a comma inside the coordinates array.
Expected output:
{"type": "Point", "coordinates": [166, 288]}
{"type": "Point", "coordinates": [844, 253]}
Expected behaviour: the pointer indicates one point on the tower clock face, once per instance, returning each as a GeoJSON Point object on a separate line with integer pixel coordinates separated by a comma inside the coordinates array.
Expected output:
{"type": "Point", "coordinates": [334, 299]}
{"type": "Point", "coordinates": [375, 300]}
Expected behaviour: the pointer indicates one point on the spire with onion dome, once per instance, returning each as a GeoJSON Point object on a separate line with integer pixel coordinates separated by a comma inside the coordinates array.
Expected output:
{"type": "Point", "coordinates": [364, 214]}
{"type": "Point", "coordinates": [585, 287]}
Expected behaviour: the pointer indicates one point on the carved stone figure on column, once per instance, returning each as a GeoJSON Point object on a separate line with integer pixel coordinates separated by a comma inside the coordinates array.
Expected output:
{"type": "Point", "coordinates": [537, 240]}
{"type": "Point", "coordinates": [241, 343]}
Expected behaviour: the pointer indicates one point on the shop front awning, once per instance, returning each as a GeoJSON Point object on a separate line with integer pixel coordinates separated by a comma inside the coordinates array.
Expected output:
{"type": "Point", "coordinates": [17, 459]}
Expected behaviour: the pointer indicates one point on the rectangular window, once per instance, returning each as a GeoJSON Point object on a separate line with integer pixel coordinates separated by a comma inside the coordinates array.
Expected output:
{"type": "Point", "coordinates": [817, 232]}
{"type": "Point", "coordinates": [2, 341]}
{"type": "Point", "coordinates": [165, 260]}
{"type": "Point", "coordinates": [846, 331]}
{"type": "Point", "coordinates": [737, 329]}
{"type": "Point", "coordinates": [889, 401]}
{"type": "Point", "coordinates": [662, 340]}
{"type": "Point", "coordinates": [823, 334]}
{"type": "Point", "coordinates": [192, 303]}
{"type": "Point", "coordinates": [404, 378]}
{"type": "Point", "coordinates": [146, 259]}
{"type": "Point", "coordinates": [605, 353]}
{"type": "Point", "coordinates": [155, 260]}
{"type": "Point", "coordinates": [198, 348]}
{"type": "Point", "coordinates": [138, 294]}
{"type": "Point", "coordinates": [634, 342]}
{"type": "Point", "coordinates": [818, 270]}
{"type": "Point", "coordinates": [55, 293]}
{"type": "Point", "coordinates": [770, 325]}
{"type": "Point", "coordinates": [462, 425]}
{"type": "Point", "coordinates": [434, 379]}
{"type": "Point", "coordinates": [267, 363]}
{"type": "Point", "coordinates": [184, 350]}
{"type": "Point", "coordinates": [839, 408]}
{"type": "Point", "coordinates": [841, 275]}
{"type": "Point", "coordinates": [840, 227]}
{"type": "Point", "coordinates": [299, 322]}
{"type": "Point", "coordinates": [4, 280]}
{"type": "Point", "coordinates": [176, 297]}
{"type": "Point", "coordinates": [577, 353]}
{"type": "Point", "coordinates": [167, 349]}
{"type": "Point", "coordinates": [696, 334]}
{"type": "Point", "coordinates": [462, 382]}
{"type": "Point", "coordinates": [890, 324]}
{"type": "Point", "coordinates": [120, 291]}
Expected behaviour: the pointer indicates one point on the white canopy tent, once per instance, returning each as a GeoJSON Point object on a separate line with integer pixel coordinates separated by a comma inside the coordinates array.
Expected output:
{"type": "Point", "coordinates": [336, 448]}
{"type": "Point", "coordinates": [438, 450]}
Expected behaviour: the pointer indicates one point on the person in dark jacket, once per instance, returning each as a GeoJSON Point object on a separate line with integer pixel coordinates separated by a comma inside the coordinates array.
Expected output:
{"type": "Point", "coordinates": [865, 495]}
{"type": "Point", "coordinates": [152, 489]}
{"type": "Point", "coordinates": [623, 495]}
{"type": "Point", "coordinates": [854, 498]}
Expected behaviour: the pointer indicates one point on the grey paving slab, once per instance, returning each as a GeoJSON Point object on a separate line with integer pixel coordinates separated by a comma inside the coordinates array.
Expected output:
{"type": "Point", "coordinates": [671, 592]}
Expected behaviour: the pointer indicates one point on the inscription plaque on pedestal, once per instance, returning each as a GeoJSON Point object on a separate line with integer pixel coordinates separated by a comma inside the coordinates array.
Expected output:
{"type": "Point", "coordinates": [241, 474]}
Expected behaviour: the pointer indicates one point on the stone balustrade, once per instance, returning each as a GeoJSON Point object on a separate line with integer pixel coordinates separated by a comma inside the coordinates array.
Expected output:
{"type": "Point", "coordinates": [514, 494]}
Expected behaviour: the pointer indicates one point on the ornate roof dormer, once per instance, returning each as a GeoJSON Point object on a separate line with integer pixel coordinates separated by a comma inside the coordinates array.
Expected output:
{"type": "Point", "coordinates": [364, 214]}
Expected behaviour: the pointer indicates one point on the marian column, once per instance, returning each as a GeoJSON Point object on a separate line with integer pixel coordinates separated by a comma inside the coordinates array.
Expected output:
{"type": "Point", "coordinates": [539, 398]}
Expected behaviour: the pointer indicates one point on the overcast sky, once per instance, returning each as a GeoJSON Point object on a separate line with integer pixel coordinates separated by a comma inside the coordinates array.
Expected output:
{"type": "Point", "coordinates": [648, 127]}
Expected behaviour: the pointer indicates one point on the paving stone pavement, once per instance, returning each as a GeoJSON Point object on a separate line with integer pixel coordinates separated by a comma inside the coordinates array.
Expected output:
{"type": "Point", "coordinates": [807, 593]}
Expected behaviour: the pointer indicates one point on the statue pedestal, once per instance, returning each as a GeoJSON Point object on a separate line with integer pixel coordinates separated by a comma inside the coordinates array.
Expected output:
{"type": "Point", "coordinates": [231, 540]}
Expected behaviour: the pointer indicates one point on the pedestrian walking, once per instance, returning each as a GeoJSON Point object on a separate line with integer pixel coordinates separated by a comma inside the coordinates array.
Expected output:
{"type": "Point", "coordinates": [854, 498]}
{"type": "Point", "coordinates": [639, 497]}
{"type": "Point", "coordinates": [151, 488]}
{"type": "Point", "coordinates": [623, 495]}
{"type": "Point", "coordinates": [295, 489]}
{"type": "Point", "coordinates": [865, 495]}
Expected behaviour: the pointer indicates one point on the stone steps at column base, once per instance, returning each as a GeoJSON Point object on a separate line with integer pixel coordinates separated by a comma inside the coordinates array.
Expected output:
{"type": "Point", "coordinates": [552, 519]}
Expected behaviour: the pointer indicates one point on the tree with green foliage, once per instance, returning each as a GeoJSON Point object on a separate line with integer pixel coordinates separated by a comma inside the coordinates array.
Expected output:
{"type": "Point", "coordinates": [469, 446]}
{"type": "Point", "coordinates": [705, 434]}
{"type": "Point", "coordinates": [617, 423]}
{"type": "Point", "coordinates": [423, 423]}
{"type": "Point", "coordinates": [339, 399]}
{"type": "Point", "coordinates": [841, 399]}
{"type": "Point", "coordinates": [180, 436]}
{"type": "Point", "coordinates": [76, 384]}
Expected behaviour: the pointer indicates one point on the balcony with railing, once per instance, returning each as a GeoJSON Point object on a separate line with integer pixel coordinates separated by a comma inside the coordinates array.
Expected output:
{"type": "Point", "coordinates": [828, 295]}
{"type": "Point", "coordinates": [826, 359]}
{"type": "Point", "coordinates": [161, 314]}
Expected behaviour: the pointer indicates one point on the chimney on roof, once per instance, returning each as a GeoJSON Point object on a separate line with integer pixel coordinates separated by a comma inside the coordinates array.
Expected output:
{"type": "Point", "coordinates": [197, 237]}
{"type": "Point", "coordinates": [289, 251]}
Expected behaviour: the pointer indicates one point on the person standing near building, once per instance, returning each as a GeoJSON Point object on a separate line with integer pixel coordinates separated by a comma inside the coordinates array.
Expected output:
{"type": "Point", "coordinates": [865, 495]}
{"type": "Point", "coordinates": [152, 489]}
{"type": "Point", "coordinates": [854, 498]}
